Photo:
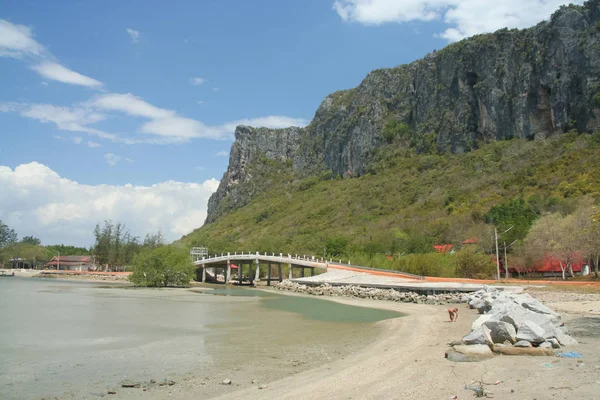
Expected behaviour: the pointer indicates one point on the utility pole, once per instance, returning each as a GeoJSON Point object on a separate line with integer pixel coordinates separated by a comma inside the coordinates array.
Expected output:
{"type": "Point", "coordinates": [497, 254]}
{"type": "Point", "coordinates": [505, 263]}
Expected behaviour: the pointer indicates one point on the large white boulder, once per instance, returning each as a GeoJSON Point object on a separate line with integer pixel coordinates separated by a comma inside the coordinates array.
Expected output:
{"type": "Point", "coordinates": [480, 321]}
{"type": "Point", "coordinates": [501, 331]}
{"type": "Point", "coordinates": [531, 332]}
{"type": "Point", "coordinates": [479, 336]}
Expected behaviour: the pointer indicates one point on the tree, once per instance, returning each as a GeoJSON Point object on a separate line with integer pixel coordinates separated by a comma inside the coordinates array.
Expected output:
{"type": "Point", "coordinates": [556, 237]}
{"type": "Point", "coordinates": [587, 229]}
{"type": "Point", "coordinates": [31, 240]}
{"type": "Point", "coordinates": [473, 264]}
{"type": "Point", "coordinates": [7, 235]}
{"type": "Point", "coordinates": [161, 267]}
{"type": "Point", "coordinates": [154, 240]}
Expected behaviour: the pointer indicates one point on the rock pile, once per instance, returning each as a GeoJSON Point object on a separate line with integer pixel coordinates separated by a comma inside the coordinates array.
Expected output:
{"type": "Point", "coordinates": [510, 322]}
{"type": "Point", "coordinates": [372, 293]}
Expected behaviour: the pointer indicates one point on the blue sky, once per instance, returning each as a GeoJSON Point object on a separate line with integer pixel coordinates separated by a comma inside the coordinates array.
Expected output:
{"type": "Point", "coordinates": [119, 97]}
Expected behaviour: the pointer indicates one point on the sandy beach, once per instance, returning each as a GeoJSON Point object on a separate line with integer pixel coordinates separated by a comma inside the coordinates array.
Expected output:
{"type": "Point", "coordinates": [407, 361]}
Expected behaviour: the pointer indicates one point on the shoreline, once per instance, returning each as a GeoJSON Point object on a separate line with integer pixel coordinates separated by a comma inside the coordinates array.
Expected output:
{"type": "Point", "coordinates": [406, 360]}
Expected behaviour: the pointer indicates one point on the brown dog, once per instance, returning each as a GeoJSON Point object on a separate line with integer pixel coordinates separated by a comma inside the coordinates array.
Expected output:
{"type": "Point", "coordinates": [453, 313]}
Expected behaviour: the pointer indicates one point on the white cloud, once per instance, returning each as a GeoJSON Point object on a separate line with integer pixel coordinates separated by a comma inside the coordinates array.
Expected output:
{"type": "Point", "coordinates": [93, 144]}
{"type": "Point", "coordinates": [271, 121]}
{"type": "Point", "coordinates": [197, 81]}
{"type": "Point", "coordinates": [57, 72]}
{"type": "Point", "coordinates": [163, 126]}
{"type": "Point", "coordinates": [216, 89]}
{"type": "Point", "coordinates": [133, 35]}
{"type": "Point", "coordinates": [222, 154]}
{"type": "Point", "coordinates": [129, 160]}
{"type": "Point", "coordinates": [44, 83]}
{"type": "Point", "coordinates": [200, 102]}
{"type": "Point", "coordinates": [466, 17]}
{"type": "Point", "coordinates": [58, 137]}
{"type": "Point", "coordinates": [17, 41]}
{"type": "Point", "coordinates": [68, 211]}
{"type": "Point", "coordinates": [112, 159]}
{"type": "Point", "coordinates": [77, 139]}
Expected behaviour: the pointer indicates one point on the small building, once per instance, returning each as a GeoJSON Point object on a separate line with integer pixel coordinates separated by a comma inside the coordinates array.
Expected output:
{"type": "Point", "coordinates": [550, 267]}
{"type": "Point", "coordinates": [71, 263]}
{"type": "Point", "coordinates": [471, 240]}
{"type": "Point", "coordinates": [442, 248]}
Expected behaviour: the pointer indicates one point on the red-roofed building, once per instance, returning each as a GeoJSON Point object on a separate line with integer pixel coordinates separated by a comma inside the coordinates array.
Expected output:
{"type": "Point", "coordinates": [550, 267]}
{"type": "Point", "coordinates": [471, 240]}
{"type": "Point", "coordinates": [71, 263]}
{"type": "Point", "coordinates": [442, 248]}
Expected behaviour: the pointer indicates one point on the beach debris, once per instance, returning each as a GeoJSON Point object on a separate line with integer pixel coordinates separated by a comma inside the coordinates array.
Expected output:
{"type": "Point", "coordinates": [226, 382]}
{"type": "Point", "coordinates": [570, 354]}
{"type": "Point", "coordinates": [263, 386]}
{"type": "Point", "coordinates": [111, 391]}
{"type": "Point", "coordinates": [454, 397]}
{"type": "Point", "coordinates": [152, 380]}
{"type": "Point", "coordinates": [130, 384]}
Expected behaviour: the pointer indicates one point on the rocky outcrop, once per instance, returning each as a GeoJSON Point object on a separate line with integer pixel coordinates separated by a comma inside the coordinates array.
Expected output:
{"type": "Point", "coordinates": [510, 84]}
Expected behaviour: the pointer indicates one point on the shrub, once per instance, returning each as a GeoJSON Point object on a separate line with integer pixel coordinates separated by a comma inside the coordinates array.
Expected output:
{"type": "Point", "coordinates": [161, 267]}
{"type": "Point", "coordinates": [473, 264]}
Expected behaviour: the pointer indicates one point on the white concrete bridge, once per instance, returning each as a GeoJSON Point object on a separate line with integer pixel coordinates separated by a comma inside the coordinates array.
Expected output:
{"type": "Point", "coordinates": [254, 261]}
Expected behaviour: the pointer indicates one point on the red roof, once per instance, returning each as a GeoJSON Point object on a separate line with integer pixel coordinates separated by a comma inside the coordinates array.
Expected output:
{"type": "Point", "coordinates": [471, 240]}
{"type": "Point", "coordinates": [442, 248]}
{"type": "Point", "coordinates": [552, 265]}
{"type": "Point", "coordinates": [69, 261]}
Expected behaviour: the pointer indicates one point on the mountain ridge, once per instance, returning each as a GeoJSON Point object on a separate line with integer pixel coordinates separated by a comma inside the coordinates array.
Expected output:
{"type": "Point", "coordinates": [511, 84]}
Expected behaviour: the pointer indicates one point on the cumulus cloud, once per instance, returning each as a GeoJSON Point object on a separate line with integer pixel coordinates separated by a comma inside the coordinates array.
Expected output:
{"type": "Point", "coordinates": [133, 35]}
{"type": "Point", "coordinates": [465, 17]}
{"type": "Point", "coordinates": [68, 211]}
{"type": "Point", "coordinates": [197, 81]}
{"type": "Point", "coordinates": [57, 72]}
{"type": "Point", "coordinates": [76, 139]}
{"type": "Point", "coordinates": [112, 159]}
{"type": "Point", "coordinates": [93, 144]}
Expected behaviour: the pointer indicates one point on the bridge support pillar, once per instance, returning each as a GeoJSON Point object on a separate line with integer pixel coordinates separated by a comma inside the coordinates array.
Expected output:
{"type": "Point", "coordinates": [302, 272]}
{"type": "Point", "coordinates": [203, 273]}
{"type": "Point", "coordinates": [228, 274]}
{"type": "Point", "coordinates": [291, 271]}
{"type": "Point", "coordinates": [250, 273]}
{"type": "Point", "coordinates": [279, 273]}
{"type": "Point", "coordinates": [312, 272]}
{"type": "Point", "coordinates": [268, 274]}
{"type": "Point", "coordinates": [257, 276]}
{"type": "Point", "coordinates": [240, 270]}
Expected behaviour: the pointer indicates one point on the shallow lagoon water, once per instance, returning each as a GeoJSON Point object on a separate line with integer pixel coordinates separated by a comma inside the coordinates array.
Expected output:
{"type": "Point", "coordinates": [76, 339]}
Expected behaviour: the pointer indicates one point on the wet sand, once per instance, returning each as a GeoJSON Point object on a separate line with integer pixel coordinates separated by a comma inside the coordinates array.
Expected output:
{"type": "Point", "coordinates": [407, 361]}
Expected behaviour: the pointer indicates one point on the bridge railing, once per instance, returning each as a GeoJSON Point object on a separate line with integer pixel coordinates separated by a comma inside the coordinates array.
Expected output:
{"type": "Point", "coordinates": [304, 258]}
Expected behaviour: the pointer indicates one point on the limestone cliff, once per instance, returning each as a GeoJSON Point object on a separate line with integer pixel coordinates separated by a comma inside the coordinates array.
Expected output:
{"type": "Point", "coordinates": [510, 84]}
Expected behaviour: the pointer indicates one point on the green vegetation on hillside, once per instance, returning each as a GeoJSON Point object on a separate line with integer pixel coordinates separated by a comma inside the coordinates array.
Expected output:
{"type": "Point", "coordinates": [408, 201]}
